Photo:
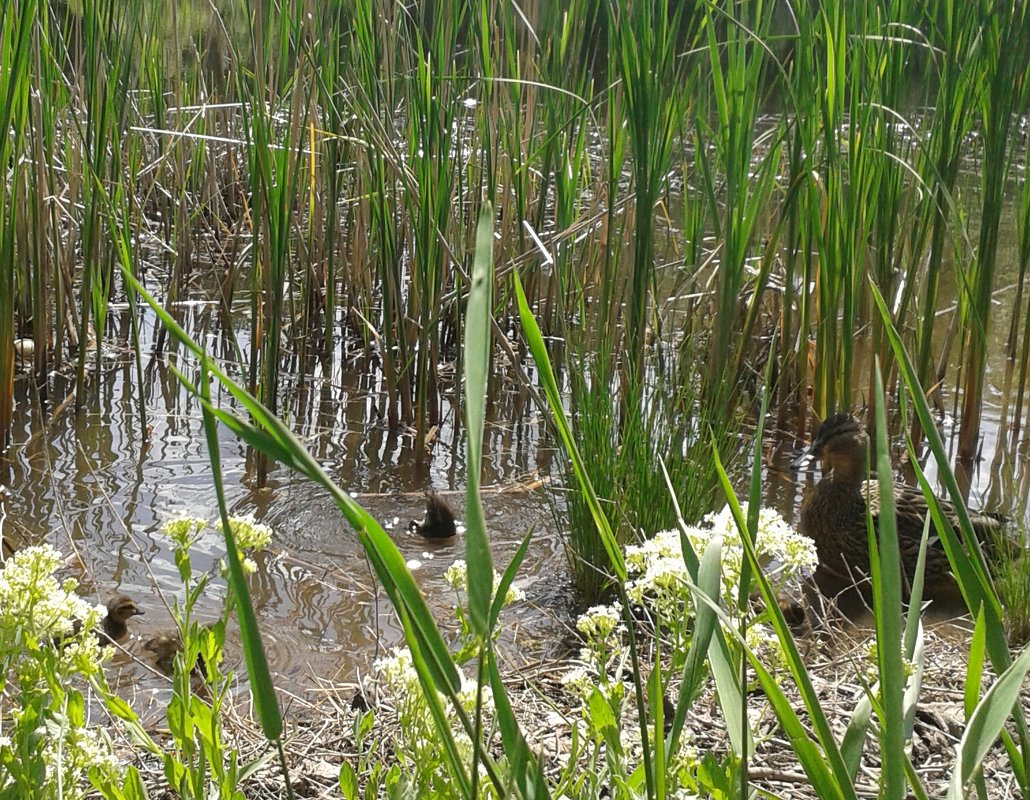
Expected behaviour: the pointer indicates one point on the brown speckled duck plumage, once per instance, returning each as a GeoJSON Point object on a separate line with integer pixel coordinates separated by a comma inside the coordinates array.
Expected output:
{"type": "Point", "coordinates": [834, 512]}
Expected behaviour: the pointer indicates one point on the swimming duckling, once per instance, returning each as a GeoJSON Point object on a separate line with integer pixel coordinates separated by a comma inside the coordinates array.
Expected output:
{"type": "Point", "coordinates": [439, 522]}
{"type": "Point", "coordinates": [120, 609]}
{"type": "Point", "coordinates": [833, 515]}
{"type": "Point", "coordinates": [164, 646]}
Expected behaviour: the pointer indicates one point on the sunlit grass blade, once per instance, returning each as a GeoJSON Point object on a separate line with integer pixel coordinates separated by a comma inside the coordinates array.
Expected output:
{"type": "Point", "coordinates": [823, 763]}
{"type": "Point", "coordinates": [262, 688]}
{"type": "Point", "coordinates": [887, 580]}
{"type": "Point", "coordinates": [477, 366]}
{"type": "Point", "coordinates": [535, 341]}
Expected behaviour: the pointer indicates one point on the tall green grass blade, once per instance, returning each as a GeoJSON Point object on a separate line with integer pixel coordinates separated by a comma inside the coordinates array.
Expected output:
{"type": "Point", "coordinates": [262, 688]}
{"type": "Point", "coordinates": [535, 341]}
{"type": "Point", "coordinates": [477, 365]}
{"type": "Point", "coordinates": [887, 579]}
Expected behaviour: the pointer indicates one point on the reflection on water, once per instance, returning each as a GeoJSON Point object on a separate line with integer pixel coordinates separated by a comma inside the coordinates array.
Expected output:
{"type": "Point", "coordinates": [88, 483]}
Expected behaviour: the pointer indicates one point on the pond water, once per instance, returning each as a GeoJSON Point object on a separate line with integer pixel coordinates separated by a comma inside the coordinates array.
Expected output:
{"type": "Point", "coordinates": [86, 482]}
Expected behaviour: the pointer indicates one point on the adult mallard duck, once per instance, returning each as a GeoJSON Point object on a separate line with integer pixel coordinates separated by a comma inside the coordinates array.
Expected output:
{"type": "Point", "coordinates": [833, 514]}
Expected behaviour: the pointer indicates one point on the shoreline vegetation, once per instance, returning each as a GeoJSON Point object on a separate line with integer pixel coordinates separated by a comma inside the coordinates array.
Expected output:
{"type": "Point", "coordinates": [671, 222]}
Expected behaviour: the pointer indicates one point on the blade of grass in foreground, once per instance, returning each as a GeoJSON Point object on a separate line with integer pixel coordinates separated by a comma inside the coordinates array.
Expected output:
{"type": "Point", "coordinates": [477, 365]}
{"type": "Point", "coordinates": [823, 763]}
{"type": "Point", "coordinates": [885, 560]}
{"type": "Point", "coordinates": [967, 562]}
{"type": "Point", "coordinates": [535, 341]}
{"type": "Point", "coordinates": [483, 609]}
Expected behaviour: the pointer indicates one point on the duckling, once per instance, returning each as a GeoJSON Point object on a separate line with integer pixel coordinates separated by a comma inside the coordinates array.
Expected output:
{"type": "Point", "coordinates": [120, 609]}
{"type": "Point", "coordinates": [439, 522]}
{"type": "Point", "coordinates": [164, 646]}
{"type": "Point", "coordinates": [833, 514]}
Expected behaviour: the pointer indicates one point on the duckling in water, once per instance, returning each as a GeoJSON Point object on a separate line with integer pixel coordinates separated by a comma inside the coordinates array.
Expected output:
{"type": "Point", "coordinates": [833, 515]}
{"type": "Point", "coordinates": [439, 522]}
{"type": "Point", "coordinates": [120, 609]}
{"type": "Point", "coordinates": [164, 646]}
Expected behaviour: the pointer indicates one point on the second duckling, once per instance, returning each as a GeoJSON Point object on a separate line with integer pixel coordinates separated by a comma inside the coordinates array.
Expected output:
{"type": "Point", "coordinates": [440, 521]}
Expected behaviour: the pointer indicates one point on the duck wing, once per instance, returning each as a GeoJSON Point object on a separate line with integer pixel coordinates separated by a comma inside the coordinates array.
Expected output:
{"type": "Point", "coordinates": [912, 510]}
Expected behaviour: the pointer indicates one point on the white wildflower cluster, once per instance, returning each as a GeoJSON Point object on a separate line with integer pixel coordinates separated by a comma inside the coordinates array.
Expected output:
{"type": "Point", "coordinates": [183, 530]}
{"type": "Point", "coordinates": [457, 576]}
{"type": "Point", "coordinates": [657, 587]}
{"type": "Point", "coordinates": [657, 570]}
{"type": "Point", "coordinates": [603, 632]}
{"type": "Point", "coordinates": [418, 747]}
{"type": "Point", "coordinates": [603, 654]}
{"type": "Point", "coordinates": [785, 553]}
{"type": "Point", "coordinates": [36, 608]}
{"type": "Point", "coordinates": [47, 642]}
{"type": "Point", "coordinates": [249, 534]}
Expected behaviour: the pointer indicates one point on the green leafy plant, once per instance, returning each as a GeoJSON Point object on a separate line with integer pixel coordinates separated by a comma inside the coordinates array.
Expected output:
{"type": "Point", "coordinates": [49, 654]}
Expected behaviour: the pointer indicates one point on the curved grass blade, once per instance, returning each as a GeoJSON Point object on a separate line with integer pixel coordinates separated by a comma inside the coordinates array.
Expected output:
{"type": "Point", "coordinates": [263, 690]}
{"type": "Point", "coordinates": [535, 341]}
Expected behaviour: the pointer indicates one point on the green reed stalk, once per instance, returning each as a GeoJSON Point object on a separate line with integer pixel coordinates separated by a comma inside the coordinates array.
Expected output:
{"type": "Point", "coordinates": [1005, 34]}
{"type": "Point", "coordinates": [372, 66]}
{"type": "Point", "coordinates": [804, 85]}
{"type": "Point", "coordinates": [959, 67]}
{"type": "Point", "coordinates": [1023, 228]}
{"type": "Point", "coordinates": [644, 35]}
{"type": "Point", "coordinates": [963, 549]}
{"type": "Point", "coordinates": [432, 102]}
{"type": "Point", "coordinates": [275, 166]}
{"type": "Point", "coordinates": [16, 26]}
